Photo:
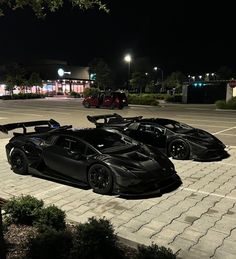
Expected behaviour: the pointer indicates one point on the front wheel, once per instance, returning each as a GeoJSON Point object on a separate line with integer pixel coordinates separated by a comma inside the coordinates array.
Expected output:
{"type": "Point", "coordinates": [19, 161]}
{"type": "Point", "coordinates": [100, 179]}
{"type": "Point", "coordinates": [179, 149]}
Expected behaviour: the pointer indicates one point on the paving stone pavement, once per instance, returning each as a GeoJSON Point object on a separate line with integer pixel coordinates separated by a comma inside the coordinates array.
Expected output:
{"type": "Point", "coordinates": [198, 220]}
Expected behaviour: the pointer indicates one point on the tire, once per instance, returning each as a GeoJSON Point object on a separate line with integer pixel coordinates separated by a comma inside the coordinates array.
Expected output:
{"type": "Point", "coordinates": [100, 179]}
{"type": "Point", "coordinates": [113, 106]}
{"type": "Point", "coordinates": [19, 161]}
{"type": "Point", "coordinates": [86, 105]}
{"type": "Point", "coordinates": [179, 149]}
{"type": "Point", "coordinates": [121, 106]}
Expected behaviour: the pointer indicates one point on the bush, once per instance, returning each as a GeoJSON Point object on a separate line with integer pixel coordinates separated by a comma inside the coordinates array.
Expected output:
{"type": "Point", "coordinates": [231, 104]}
{"type": "Point", "coordinates": [176, 98]}
{"type": "Point", "coordinates": [91, 91]}
{"type": "Point", "coordinates": [59, 93]}
{"type": "Point", "coordinates": [154, 252]}
{"type": "Point", "coordinates": [143, 99]}
{"type": "Point", "coordinates": [220, 104]}
{"type": "Point", "coordinates": [50, 244]}
{"type": "Point", "coordinates": [95, 240]}
{"type": "Point", "coordinates": [74, 94]}
{"type": "Point", "coordinates": [22, 210]}
{"type": "Point", "coordinates": [50, 217]}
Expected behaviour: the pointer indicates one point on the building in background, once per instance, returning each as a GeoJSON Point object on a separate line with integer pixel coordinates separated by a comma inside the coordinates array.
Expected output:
{"type": "Point", "coordinates": [74, 78]}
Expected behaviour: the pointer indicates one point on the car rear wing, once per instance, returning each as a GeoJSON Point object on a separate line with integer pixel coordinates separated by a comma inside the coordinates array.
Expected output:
{"type": "Point", "coordinates": [11, 126]}
{"type": "Point", "coordinates": [112, 119]}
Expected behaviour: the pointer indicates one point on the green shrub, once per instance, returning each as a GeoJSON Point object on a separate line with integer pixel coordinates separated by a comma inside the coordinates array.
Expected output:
{"type": "Point", "coordinates": [50, 217]}
{"type": "Point", "coordinates": [59, 93]}
{"type": "Point", "coordinates": [50, 244]}
{"type": "Point", "coordinates": [75, 94]}
{"type": "Point", "coordinates": [231, 104]}
{"type": "Point", "coordinates": [154, 252]}
{"type": "Point", "coordinates": [143, 99]}
{"type": "Point", "coordinates": [220, 104]}
{"type": "Point", "coordinates": [22, 210]}
{"type": "Point", "coordinates": [95, 239]}
{"type": "Point", "coordinates": [91, 91]}
{"type": "Point", "coordinates": [176, 98]}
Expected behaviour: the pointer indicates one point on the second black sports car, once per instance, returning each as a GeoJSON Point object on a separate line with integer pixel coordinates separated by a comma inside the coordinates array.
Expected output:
{"type": "Point", "coordinates": [176, 139]}
{"type": "Point", "coordinates": [105, 160]}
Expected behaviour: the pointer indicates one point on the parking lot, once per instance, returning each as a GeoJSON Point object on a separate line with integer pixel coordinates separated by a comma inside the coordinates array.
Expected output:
{"type": "Point", "coordinates": [198, 220]}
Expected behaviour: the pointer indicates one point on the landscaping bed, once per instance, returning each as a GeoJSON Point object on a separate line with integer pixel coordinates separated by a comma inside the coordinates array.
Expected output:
{"type": "Point", "coordinates": [33, 231]}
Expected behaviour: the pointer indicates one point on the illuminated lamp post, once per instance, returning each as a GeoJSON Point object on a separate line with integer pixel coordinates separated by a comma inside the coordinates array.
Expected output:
{"type": "Point", "coordinates": [128, 59]}
{"type": "Point", "coordinates": [162, 75]}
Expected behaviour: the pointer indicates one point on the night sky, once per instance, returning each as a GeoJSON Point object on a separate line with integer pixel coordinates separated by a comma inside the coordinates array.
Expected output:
{"type": "Point", "coordinates": [190, 36]}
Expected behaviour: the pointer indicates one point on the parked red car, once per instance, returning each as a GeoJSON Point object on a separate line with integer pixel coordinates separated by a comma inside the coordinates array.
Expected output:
{"type": "Point", "coordinates": [112, 100]}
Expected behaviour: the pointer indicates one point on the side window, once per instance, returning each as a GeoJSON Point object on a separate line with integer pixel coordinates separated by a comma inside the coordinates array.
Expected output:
{"type": "Point", "coordinates": [77, 146]}
{"type": "Point", "coordinates": [151, 129]}
{"type": "Point", "coordinates": [63, 142]}
{"type": "Point", "coordinates": [71, 144]}
{"type": "Point", "coordinates": [89, 151]}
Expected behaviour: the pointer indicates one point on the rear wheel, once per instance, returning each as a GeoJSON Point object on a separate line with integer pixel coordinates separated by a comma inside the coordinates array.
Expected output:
{"type": "Point", "coordinates": [121, 106]}
{"type": "Point", "coordinates": [87, 105]}
{"type": "Point", "coordinates": [179, 149]}
{"type": "Point", "coordinates": [100, 179]}
{"type": "Point", "coordinates": [19, 161]}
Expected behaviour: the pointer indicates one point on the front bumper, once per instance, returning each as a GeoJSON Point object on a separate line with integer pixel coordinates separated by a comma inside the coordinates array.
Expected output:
{"type": "Point", "coordinates": [211, 155]}
{"type": "Point", "coordinates": [149, 187]}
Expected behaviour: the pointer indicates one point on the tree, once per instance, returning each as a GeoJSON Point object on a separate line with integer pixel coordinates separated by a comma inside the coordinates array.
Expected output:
{"type": "Point", "coordinates": [140, 81]}
{"type": "Point", "coordinates": [175, 80]}
{"type": "Point", "coordinates": [41, 7]}
{"type": "Point", "coordinates": [225, 73]}
{"type": "Point", "coordinates": [35, 80]}
{"type": "Point", "coordinates": [15, 76]}
{"type": "Point", "coordinates": [103, 73]}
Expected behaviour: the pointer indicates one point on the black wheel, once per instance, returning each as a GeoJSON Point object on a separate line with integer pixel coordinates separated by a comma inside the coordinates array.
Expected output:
{"type": "Point", "coordinates": [19, 161]}
{"type": "Point", "coordinates": [113, 106]}
{"type": "Point", "coordinates": [179, 149]}
{"type": "Point", "coordinates": [100, 179]}
{"type": "Point", "coordinates": [87, 105]}
{"type": "Point", "coordinates": [121, 106]}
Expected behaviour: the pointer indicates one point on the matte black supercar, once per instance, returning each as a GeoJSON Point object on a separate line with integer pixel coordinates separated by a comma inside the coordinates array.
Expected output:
{"type": "Point", "coordinates": [105, 160]}
{"type": "Point", "coordinates": [176, 139]}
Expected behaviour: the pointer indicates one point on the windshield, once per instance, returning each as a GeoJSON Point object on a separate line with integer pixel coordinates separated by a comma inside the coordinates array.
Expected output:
{"type": "Point", "coordinates": [104, 140]}
{"type": "Point", "coordinates": [179, 127]}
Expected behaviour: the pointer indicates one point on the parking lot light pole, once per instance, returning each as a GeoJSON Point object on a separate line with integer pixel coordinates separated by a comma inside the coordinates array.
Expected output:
{"type": "Point", "coordinates": [162, 75]}
{"type": "Point", "coordinates": [128, 59]}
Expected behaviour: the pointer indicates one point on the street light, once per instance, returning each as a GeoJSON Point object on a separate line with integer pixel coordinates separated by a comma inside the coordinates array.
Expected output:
{"type": "Point", "coordinates": [128, 59]}
{"type": "Point", "coordinates": [162, 77]}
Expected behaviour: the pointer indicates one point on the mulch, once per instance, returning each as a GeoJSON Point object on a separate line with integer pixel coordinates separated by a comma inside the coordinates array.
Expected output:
{"type": "Point", "coordinates": [16, 238]}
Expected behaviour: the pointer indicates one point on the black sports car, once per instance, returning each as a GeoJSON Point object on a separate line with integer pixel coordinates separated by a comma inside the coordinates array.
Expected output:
{"type": "Point", "coordinates": [105, 160]}
{"type": "Point", "coordinates": [176, 139]}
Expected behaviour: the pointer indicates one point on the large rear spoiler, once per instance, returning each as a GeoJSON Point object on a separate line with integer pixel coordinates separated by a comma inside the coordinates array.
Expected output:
{"type": "Point", "coordinates": [112, 118]}
{"type": "Point", "coordinates": [11, 126]}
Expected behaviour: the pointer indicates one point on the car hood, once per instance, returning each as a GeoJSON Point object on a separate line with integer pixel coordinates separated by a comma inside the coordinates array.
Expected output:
{"type": "Point", "coordinates": [142, 164]}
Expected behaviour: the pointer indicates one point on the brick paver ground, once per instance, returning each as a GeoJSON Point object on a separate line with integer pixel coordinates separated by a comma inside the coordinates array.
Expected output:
{"type": "Point", "coordinates": [198, 220]}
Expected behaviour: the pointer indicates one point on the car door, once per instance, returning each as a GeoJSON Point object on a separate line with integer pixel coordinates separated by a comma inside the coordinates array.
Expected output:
{"type": "Point", "coordinates": [108, 99]}
{"type": "Point", "coordinates": [67, 158]}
